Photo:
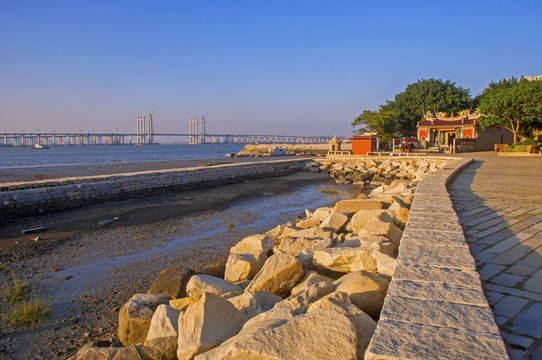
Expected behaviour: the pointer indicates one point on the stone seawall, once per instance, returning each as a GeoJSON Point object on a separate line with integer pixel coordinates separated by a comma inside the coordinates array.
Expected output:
{"type": "Point", "coordinates": [32, 198]}
{"type": "Point", "coordinates": [435, 307]}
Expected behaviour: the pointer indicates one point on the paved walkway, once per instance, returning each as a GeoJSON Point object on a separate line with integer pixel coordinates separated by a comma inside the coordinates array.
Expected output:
{"type": "Point", "coordinates": [499, 203]}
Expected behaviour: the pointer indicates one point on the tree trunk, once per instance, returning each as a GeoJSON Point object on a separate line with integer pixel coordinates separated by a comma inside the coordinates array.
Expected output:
{"type": "Point", "coordinates": [515, 137]}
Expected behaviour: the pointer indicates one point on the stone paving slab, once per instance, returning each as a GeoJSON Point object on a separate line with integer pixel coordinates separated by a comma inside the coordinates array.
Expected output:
{"type": "Point", "coordinates": [435, 256]}
{"type": "Point", "coordinates": [433, 238]}
{"type": "Point", "coordinates": [436, 292]}
{"type": "Point", "coordinates": [440, 313]}
{"type": "Point", "coordinates": [436, 275]}
{"type": "Point", "coordinates": [397, 340]}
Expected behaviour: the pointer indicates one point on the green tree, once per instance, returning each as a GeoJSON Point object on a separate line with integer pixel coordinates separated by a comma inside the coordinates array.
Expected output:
{"type": "Point", "coordinates": [382, 122]}
{"type": "Point", "coordinates": [433, 95]}
{"type": "Point", "coordinates": [408, 107]}
{"type": "Point", "coordinates": [513, 104]}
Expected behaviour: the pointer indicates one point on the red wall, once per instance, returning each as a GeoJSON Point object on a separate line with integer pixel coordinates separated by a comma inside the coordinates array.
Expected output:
{"type": "Point", "coordinates": [362, 144]}
{"type": "Point", "coordinates": [468, 132]}
{"type": "Point", "coordinates": [422, 133]}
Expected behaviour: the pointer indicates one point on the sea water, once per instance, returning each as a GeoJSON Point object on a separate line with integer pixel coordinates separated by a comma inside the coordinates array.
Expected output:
{"type": "Point", "coordinates": [104, 154]}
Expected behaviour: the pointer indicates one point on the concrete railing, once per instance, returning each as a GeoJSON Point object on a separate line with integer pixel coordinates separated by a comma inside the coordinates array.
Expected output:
{"type": "Point", "coordinates": [32, 198]}
{"type": "Point", "coordinates": [435, 307]}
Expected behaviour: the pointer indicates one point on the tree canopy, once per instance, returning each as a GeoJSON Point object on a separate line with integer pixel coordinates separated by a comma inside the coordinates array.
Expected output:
{"type": "Point", "coordinates": [409, 106]}
{"type": "Point", "coordinates": [381, 122]}
{"type": "Point", "coordinates": [513, 104]}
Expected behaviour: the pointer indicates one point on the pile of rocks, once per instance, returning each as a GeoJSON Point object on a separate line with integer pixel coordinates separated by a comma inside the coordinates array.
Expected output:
{"type": "Point", "coordinates": [374, 172]}
{"type": "Point", "coordinates": [313, 288]}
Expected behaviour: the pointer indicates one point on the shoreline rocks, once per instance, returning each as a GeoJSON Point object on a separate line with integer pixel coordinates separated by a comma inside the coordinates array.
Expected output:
{"type": "Point", "coordinates": [313, 288]}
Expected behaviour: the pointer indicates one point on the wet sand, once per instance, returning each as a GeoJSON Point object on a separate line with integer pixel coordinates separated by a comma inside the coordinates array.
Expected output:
{"type": "Point", "coordinates": [88, 271]}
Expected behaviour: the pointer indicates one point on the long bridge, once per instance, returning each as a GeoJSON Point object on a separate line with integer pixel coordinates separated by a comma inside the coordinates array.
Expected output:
{"type": "Point", "coordinates": [146, 135]}
{"type": "Point", "coordinates": [69, 138]}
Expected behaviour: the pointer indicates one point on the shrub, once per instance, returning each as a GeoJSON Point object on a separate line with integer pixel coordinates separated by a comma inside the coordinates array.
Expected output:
{"type": "Point", "coordinates": [18, 291]}
{"type": "Point", "coordinates": [28, 313]}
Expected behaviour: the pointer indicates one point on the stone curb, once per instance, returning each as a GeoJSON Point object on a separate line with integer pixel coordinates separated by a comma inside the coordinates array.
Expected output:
{"type": "Point", "coordinates": [436, 307]}
{"type": "Point", "coordinates": [32, 198]}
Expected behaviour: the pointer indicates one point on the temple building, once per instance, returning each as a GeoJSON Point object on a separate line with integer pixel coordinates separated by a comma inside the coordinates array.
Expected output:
{"type": "Point", "coordinates": [441, 130]}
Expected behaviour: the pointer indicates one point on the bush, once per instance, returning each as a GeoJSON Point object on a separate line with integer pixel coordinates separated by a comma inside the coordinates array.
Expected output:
{"type": "Point", "coordinates": [28, 313]}
{"type": "Point", "coordinates": [18, 291]}
{"type": "Point", "coordinates": [519, 148]}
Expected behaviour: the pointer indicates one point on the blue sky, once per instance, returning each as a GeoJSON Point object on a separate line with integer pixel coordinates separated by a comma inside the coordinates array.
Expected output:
{"type": "Point", "coordinates": [254, 67]}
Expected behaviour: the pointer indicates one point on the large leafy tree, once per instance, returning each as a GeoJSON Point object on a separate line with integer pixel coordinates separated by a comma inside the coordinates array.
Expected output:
{"type": "Point", "coordinates": [409, 106]}
{"type": "Point", "coordinates": [425, 95]}
{"type": "Point", "coordinates": [513, 104]}
{"type": "Point", "coordinates": [382, 122]}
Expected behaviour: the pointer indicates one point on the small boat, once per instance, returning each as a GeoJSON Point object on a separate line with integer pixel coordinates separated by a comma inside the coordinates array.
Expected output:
{"type": "Point", "coordinates": [277, 151]}
{"type": "Point", "coordinates": [38, 146]}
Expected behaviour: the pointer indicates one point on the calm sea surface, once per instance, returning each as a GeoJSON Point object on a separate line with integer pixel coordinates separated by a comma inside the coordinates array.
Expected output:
{"type": "Point", "coordinates": [69, 155]}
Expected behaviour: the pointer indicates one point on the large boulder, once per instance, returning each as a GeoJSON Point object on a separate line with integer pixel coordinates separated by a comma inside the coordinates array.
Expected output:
{"type": "Point", "coordinates": [164, 323]}
{"type": "Point", "coordinates": [254, 303]}
{"type": "Point", "coordinates": [363, 217]}
{"type": "Point", "coordinates": [279, 275]}
{"type": "Point", "coordinates": [383, 228]}
{"type": "Point", "coordinates": [293, 246]}
{"type": "Point", "coordinates": [335, 221]}
{"type": "Point", "coordinates": [171, 282]}
{"type": "Point", "coordinates": [322, 334]}
{"type": "Point", "coordinates": [320, 214]}
{"type": "Point", "coordinates": [135, 317]}
{"type": "Point", "coordinates": [353, 206]}
{"type": "Point", "coordinates": [207, 324]}
{"type": "Point", "coordinates": [253, 244]}
{"type": "Point", "coordinates": [241, 267]}
{"type": "Point", "coordinates": [345, 259]}
{"type": "Point", "coordinates": [364, 324]}
{"type": "Point", "coordinates": [164, 331]}
{"type": "Point", "coordinates": [367, 291]}
{"type": "Point", "coordinates": [216, 269]}
{"type": "Point", "coordinates": [200, 284]}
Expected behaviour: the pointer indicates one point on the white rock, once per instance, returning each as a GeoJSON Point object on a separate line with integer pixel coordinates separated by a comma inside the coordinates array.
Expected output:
{"type": "Point", "coordinates": [335, 221]}
{"type": "Point", "coordinates": [164, 323]}
{"type": "Point", "coordinates": [241, 267]}
{"type": "Point", "coordinates": [334, 339]}
{"type": "Point", "coordinates": [345, 259]}
{"type": "Point", "coordinates": [279, 275]}
{"type": "Point", "coordinates": [367, 291]}
{"type": "Point", "coordinates": [200, 284]}
{"type": "Point", "coordinates": [207, 324]}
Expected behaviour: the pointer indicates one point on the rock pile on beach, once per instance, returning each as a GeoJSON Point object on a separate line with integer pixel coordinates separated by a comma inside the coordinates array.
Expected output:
{"type": "Point", "coordinates": [373, 172]}
{"type": "Point", "coordinates": [309, 289]}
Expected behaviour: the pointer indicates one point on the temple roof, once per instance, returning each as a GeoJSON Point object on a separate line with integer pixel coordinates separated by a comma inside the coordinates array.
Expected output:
{"type": "Point", "coordinates": [465, 118]}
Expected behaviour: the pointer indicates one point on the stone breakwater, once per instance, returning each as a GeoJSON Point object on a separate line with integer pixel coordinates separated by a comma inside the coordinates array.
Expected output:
{"type": "Point", "coordinates": [22, 199]}
{"type": "Point", "coordinates": [316, 287]}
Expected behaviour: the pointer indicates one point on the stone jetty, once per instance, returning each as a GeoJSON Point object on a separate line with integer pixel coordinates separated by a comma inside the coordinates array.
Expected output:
{"type": "Point", "coordinates": [383, 276]}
